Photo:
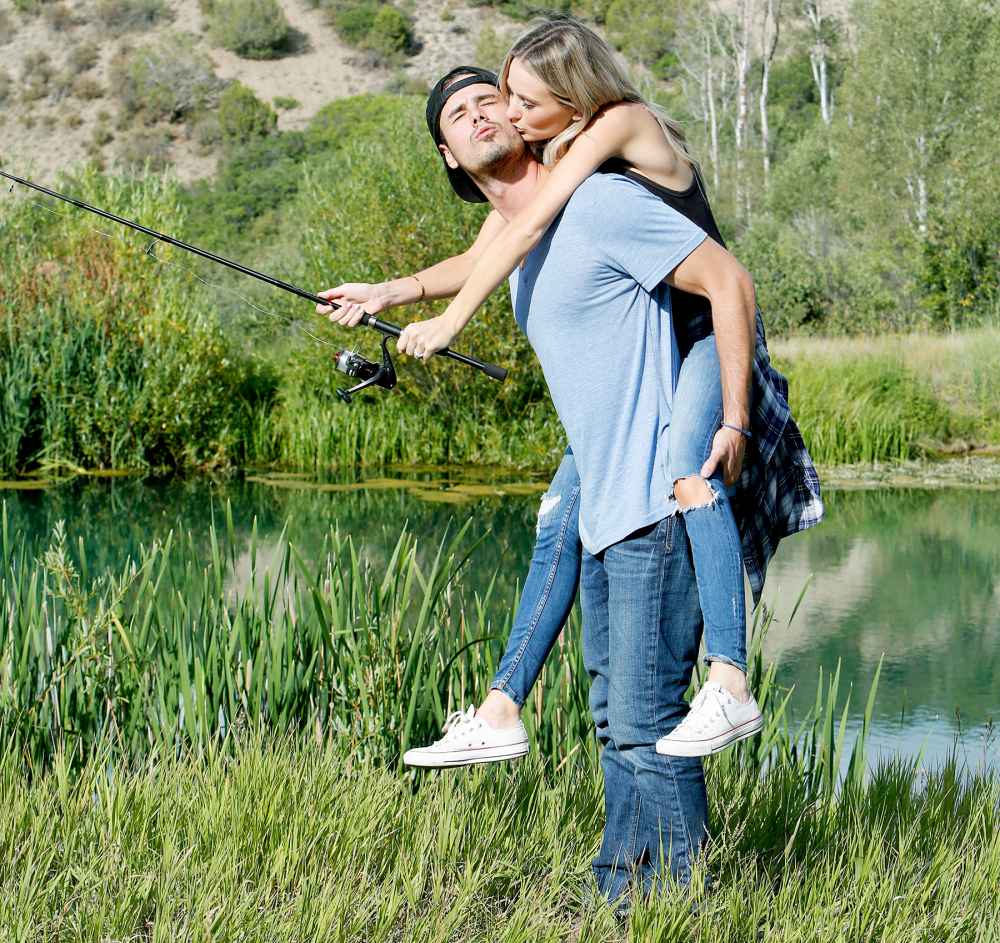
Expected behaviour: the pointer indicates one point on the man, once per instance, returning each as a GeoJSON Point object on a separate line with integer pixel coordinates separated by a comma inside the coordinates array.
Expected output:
{"type": "Point", "coordinates": [593, 299]}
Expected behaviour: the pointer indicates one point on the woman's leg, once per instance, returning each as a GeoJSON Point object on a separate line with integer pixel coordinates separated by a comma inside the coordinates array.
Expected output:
{"type": "Point", "coordinates": [549, 591]}
{"type": "Point", "coordinates": [495, 731]}
{"type": "Point", "coordinates": [711, 526]}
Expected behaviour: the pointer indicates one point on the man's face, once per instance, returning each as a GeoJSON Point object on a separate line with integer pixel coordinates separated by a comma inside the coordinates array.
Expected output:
{"type": "Point", "coordinates": [478, 136]}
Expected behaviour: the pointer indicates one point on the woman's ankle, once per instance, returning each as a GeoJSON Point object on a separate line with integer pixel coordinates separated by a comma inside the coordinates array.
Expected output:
{"type": "Point", "coordinates": [499, 710]}
{"type": "Point", "coordinates": [731, 678]}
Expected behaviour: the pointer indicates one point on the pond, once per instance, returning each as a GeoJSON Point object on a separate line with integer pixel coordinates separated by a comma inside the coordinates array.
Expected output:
{"type": "Point", "coordinates": [910, 577]}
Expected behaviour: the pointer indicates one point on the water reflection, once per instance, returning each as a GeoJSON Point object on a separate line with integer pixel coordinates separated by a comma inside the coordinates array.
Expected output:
{"type": "Point", "coordinates": [908, 576]}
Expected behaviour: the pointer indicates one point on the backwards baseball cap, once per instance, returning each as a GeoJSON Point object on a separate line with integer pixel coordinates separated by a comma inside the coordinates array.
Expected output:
{"type": "Point", "coordinates": [459, 78]}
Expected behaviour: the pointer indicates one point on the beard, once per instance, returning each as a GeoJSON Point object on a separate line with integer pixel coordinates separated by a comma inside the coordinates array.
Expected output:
{"type": "Point", "coordinates": [503, 150]}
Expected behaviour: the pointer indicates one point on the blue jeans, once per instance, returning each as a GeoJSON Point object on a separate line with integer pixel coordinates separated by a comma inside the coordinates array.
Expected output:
{"type": "Point", "coordinates": [711, 527]}
{"type": "Point", "coordinates": [554, 573]}
{"type": "Point", "coordinates": [550, 587]}
{"type": "Point", "coordinates": [641, 631]}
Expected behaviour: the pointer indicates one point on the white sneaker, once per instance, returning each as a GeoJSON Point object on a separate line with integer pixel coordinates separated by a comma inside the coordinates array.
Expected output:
{"type": "Point", "coordinates": [468, 739]}
{"type": "Point", "coordinates": [716, 720]}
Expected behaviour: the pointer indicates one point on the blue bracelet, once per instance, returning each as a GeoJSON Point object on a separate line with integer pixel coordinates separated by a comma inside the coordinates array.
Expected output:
{"type": "Point", "coordinates": [746, 433]}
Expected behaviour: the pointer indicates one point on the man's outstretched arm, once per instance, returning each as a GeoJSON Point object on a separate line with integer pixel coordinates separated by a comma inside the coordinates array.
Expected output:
{"type": "Point", "coordinates": [441, 280]}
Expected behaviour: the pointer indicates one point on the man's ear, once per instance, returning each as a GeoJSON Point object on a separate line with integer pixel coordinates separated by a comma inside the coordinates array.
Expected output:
{"type": "Point", "coordinates": [449, 158]}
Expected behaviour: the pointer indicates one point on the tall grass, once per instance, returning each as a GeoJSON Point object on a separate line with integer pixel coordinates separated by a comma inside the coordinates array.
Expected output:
{"type": "Point", "coordinates": [222, 762]}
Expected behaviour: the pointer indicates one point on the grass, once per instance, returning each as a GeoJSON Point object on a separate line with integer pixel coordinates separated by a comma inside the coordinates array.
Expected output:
{"type": "Point", "coordinates": [196, 748]}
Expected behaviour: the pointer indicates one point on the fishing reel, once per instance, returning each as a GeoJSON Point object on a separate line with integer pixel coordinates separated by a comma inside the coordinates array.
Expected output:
{"type": "Point", "coordinates": [370, 373]}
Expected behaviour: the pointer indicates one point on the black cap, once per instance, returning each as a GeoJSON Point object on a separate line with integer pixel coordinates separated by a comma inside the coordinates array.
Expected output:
{"type": "Point", "coordinates": [461, 182]}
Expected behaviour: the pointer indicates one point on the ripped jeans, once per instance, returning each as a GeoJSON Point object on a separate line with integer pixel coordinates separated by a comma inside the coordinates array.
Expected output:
{"type": "Point", "coordinates": [554, 573]}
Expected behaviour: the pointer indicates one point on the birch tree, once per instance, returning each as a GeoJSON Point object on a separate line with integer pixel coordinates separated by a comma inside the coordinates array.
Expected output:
{"type": "Point", "coordinates": [770, 31]}
{"type": "Point", "coordinates": [822, 31]}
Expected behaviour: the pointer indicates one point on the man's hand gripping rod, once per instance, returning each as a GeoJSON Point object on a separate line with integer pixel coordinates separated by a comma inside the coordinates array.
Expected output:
{"type": "Point", "coordinates": [368, 320]}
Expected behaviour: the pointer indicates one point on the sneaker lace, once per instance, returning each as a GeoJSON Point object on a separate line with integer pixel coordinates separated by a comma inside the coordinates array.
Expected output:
{"type": "Point", "coordinates": [455, 721]}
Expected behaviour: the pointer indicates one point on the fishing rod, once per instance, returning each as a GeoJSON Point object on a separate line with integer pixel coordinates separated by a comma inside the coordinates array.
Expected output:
{"type": "Point", "coordinates": [349, 362]}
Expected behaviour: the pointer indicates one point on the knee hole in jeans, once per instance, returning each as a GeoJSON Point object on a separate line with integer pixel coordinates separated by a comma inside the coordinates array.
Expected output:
{"type": "Point", "coordinates": [693, 492]}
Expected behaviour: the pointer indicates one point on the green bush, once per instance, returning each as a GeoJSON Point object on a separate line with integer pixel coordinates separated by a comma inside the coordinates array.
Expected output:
{"type": "Point", "coordinates": [5, 85]}
{"type": "Point", "coordinates": [644, 31]}
{"type": "Point", "coordinates": [106, 358]}
{"type": "Point", "coordinates": [243, 116]}
{"type": "Point", "coordinates": [353, 21]}
{"type": "Point", "coordinates": [171, 80]}
{"type": "Point", "coordinates": [390, 34]}
{"type": "Point", "coordinates": [254, 29]}
{"type": "Point", "coordinates": [146, 148]}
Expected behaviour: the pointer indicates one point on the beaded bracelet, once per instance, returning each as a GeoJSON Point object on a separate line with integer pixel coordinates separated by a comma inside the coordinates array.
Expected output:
{"type": "Point", "coordinates": [746, 433]}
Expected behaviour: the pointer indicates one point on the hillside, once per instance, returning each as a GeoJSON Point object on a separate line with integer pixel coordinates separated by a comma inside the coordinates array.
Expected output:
{"type": "Point", "coordinates": [56, 112]}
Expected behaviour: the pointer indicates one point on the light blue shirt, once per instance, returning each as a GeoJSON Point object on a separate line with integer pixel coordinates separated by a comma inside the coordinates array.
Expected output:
{"type": "Point", "coordinates": [591, 300]}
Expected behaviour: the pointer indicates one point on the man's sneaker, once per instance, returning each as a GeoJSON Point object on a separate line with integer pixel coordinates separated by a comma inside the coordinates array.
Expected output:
{"type": "Point", "coordinates": [716, 720]}
{"type": "Point", "coordinates": [468, 739]}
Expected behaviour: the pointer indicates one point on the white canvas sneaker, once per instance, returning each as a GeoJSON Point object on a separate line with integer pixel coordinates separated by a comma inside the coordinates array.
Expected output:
{"type": "Point", "coordinates": [715, 721]}
{"type": "Point", "coordinates": [468, 739]}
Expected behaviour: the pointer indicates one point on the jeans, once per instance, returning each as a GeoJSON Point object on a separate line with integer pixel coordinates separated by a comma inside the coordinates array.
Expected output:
{"type": "Point", "coordinates": [641, 631]}
{"type": "Point", "coordinates": [554, 573]}
{"type": "Point", "coordinates": [550, 587]}
{"type": "Point", "coordinates": [711, 527]}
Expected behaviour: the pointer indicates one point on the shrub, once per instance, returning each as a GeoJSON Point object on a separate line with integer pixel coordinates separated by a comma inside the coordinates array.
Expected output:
{"type": "Point", "coordinates": [644, 31]}
{"type": "Point", "coordinates": [353, 20]}
{"type": "Point", "coordinates": [102, 135]}
{"type": "Point", "coordinates": [390, 33]}
{"type": "Point", "coordinates": [491, 47]}
{"type": "Point", "coordinates": [4, 86]}
{"type": "Point", "coordinates": [37, 66]}
{"type": "Point", "coordinates": [254, 29]}
{"type": "Point", "coordinates": [82, 57]}
{"type": "Point", "coordinates": [206, 131]}
{"type": "Point", "coordinates": [59, 17]}
{"type": "Point", "coordinates": [243, 116]}
{"type": "Point", "coordinates": [73, 119]}
{"type": "Point", "coordinates": [88, 88]}
{"type": "Point", "coordinates": [286, 104]}
{"type": "Point", "coordinates": [171, 80]}
{"type": "Point", "coordinates": [124, 16]}
{"type": "Point", "coordinates": [146, 148]}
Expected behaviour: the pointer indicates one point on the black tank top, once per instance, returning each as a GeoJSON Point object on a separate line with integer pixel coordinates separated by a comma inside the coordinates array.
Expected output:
{"type": "Point", "coordinates": [692, 203]}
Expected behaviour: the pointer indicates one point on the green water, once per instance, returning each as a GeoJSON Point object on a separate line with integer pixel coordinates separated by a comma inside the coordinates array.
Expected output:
{"type": "Point", "coordinates": [908, 576]}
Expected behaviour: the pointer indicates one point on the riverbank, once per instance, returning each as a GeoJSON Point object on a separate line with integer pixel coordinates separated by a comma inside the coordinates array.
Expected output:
{"type": "Point", "coordinates": [204, 741]}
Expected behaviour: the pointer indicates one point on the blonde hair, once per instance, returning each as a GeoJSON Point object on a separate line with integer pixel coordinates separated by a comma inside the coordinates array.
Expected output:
{"type": "Point", "coordinates": [581, 71]}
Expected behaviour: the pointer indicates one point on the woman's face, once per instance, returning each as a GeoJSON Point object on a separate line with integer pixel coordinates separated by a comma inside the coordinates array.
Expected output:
{"type": "Point", "coordinates": [533, 110]}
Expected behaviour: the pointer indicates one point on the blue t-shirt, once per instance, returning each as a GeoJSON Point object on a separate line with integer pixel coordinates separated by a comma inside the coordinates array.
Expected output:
{"type": "Point", "coordinates": [591, 300]}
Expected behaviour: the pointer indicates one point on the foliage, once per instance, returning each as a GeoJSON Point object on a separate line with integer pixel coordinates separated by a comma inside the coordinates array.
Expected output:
{"type": "Point", "coordinates": [5, 85]}
{"type": "Point", "coordinates": [254, 29]}
{"type": "Point", "coordinates": [82, 57]}
{"type": "Point", "coordinates": [172, 80]}
{"type": "Point", "coordinates": [122, 16]}
{"type": "Point", "coordinates": [284, 103]}
{"type": "Point", "coordinates": [106, 363]}
{"type": "Point", "coordinates": [243, 116]}
{"type": "Point", "coordinates": [492, 47]}
{"type": "Point", "coordinates": [390, 34]}
{"type": "Point", "coordinates": [644, 31]}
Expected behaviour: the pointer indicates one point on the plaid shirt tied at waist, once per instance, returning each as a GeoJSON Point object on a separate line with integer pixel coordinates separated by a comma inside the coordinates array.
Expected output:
{"type": "Point", "coordinates": [778, 491]}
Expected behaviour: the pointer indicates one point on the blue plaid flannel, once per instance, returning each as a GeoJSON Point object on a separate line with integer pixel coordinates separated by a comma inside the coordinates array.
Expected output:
{"type": "Point", "coordinates": [778, 492]}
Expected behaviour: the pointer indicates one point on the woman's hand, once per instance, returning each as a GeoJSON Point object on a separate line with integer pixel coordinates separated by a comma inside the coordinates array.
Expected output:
{"type": "Point", "coordinates": [355, 300]}
{"type": "Point", "coordinates": [423, 339]}
{"type": "Point", "coordinates": [727, 448]}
